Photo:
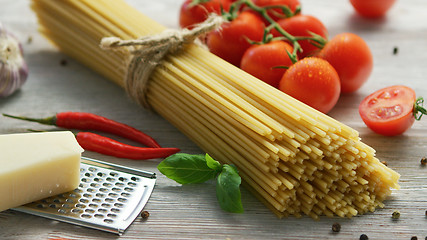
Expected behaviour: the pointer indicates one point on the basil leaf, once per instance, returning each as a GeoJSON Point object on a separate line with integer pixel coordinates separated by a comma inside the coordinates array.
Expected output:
{"type": "Point", "coordinates": [228, 189]}
{"type": "Point", "coordinates": [212, 163]}
{"type": "Point", "coordinates": [187, 168]}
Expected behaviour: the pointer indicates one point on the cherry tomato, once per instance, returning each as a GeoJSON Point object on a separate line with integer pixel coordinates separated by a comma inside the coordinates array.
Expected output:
{"type": "Point", "coordinates": [231, 40]}
{"type": "Point", "coordinates": [390, 111]}
{"type": "Point", "coordinates": [277, 13]}
{"type": "Point", "coordinates": [301, 26]}
{"type": "Point", "coordinates": [352, 59]}
{"type": "Point", "coordinates": [197, 11]}
{"type": "Point", "coordinates": [372, 8]}
{"type": "Point", "coordinates": [262, 61]}
{"type": "Point", "coordinates": [314, 82]}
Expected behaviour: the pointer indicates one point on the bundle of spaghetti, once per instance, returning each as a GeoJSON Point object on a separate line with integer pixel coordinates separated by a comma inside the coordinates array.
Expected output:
{"type": "Point", "coordinates": [295, 159]}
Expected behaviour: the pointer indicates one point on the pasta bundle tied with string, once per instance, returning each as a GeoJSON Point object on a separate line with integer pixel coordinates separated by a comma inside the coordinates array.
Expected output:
{"type": "Point", "coordinates": [295, 159]}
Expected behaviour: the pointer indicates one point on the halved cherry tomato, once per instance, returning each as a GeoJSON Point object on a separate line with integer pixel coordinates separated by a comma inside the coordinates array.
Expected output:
{"type": "Point", "coordinates": [266, 61]}
{"type": "Point", "coordinates": [231, 40]}
{"type": "Point", "coordinates": [314, 82]}
{"type": "Point", "coordinates": [300, 26]}
{"type": "Point", "coordinates": [372, 8]}
{"type": "Point", "coordinates": [197, 11]}
{"type": "Point", "coordinates": [351, 57]}
{"type": "Point", "coordinates": [390, 111]}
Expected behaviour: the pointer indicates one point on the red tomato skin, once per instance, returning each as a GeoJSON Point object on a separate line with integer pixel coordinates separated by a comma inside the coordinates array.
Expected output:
{"type": "Point", "coordinates": [351, 57]}
{"type": "Point", "coordinates": [230, 41]}
{"type": "Point", "coordinates": [314, 82]}
{"type": "Point", "coordinates": [389, 111]}
{"type": "Point", "coordinates": [372, 8]}
{"type": "Point", "coordinates": [301, 25]}
{"type": "Point", "coordinates": [261, 60]}
{"type": "Point", "coordinates": [190, 15]}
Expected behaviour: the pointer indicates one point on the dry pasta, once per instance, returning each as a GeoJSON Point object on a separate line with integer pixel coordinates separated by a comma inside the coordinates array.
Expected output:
{"type": "Point", "coordinates": [295, 159]}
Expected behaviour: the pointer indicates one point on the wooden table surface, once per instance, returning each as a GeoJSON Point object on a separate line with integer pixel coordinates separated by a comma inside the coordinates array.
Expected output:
{"type": "Point", "coordinates": [191, 212]}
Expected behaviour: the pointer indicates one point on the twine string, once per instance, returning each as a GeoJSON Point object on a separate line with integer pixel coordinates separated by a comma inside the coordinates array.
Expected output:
{"type": "Point", "coordinates": [147, 53]}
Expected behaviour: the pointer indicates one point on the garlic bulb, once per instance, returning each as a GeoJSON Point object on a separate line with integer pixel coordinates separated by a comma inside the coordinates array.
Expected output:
{"type": "Point", "coordinates": [13, 68]}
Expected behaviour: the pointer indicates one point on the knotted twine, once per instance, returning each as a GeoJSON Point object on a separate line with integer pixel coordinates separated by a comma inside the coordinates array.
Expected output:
{"type": "Point", "coordinates": [147, 53]}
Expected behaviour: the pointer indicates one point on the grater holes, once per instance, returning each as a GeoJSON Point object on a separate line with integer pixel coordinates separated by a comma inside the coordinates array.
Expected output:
{"type": "Point", "coordinates": [114, 174]}
{"type": "Point", "coordinates": [88, 210]}
{"type": "Point", "coordinates": [86, 180]}
{"type": "Point", "coordinates": [123, 179]}
{"type": "Point", "coordinates": [111, 215]}
{"type": "Point", "coordinates": [119, 184]}
{"type": "Point", "coordinates": [91, 169]}
{"type": "Point", "coordinates": [124, 194]}
{"type": "Point", "coordinates": [95, 185]}
{"type": "Point", "coordinates": [63, 211]}
{"type": "Point", "coordinates": [100, 216]}
{"type": "Point", "coordinates": [116, 189]}
{"type": "Point", "coordinates": [96, 200]}
{"type": "Point", "coordinates": [89, 174]}
{"type": "Point", "coordinates": [123, 200]}
{"type": "Point", "coordinates": [105, 205]}
{"type": "Point", "coordinates": [108, 220]}
{"type": "Point", "coordinates": [104, 190]}
{"type": "Point", "coordinates": [103, 210]}
{"type": "Point", "coordinates": [79, 205]}
{"type": "Point", "coordinates": [128, 189]}
{"type": "Point", "coordinates": [87, 216]}
{"type": "Point", "coordinates": [135, 179]}
{"type": "Point", "coordinates": [76, 210]}
{"type": "Point", "coordinates": [107, 184]}
{"type": "Point", "coordinates": [91, 190]}
{"type": "Point", "coordinates": [113, 195]}
{"type": "Point", "coordinates": [119, 205]}
{"type": "Point", "coordinates": [110, 179]}
{"type": "Point", "coordinates": [115, 210]}
{"type": "Point", "coordinates": [83, 200]}
{"type": "Point", "coordinates": [87, 195]}
{"type": "Point", "coordinates": [98, 179]}
{"type": "Point", "coordinates": [100, 195]}
{"type": "Point", "coordinates": [110, 200]}
{"type": "Point", "coordinates": [92, 205]}
{"type": "Point", "coordinates": [101, 174]}
{"type": "Point", "coordinates": [132, 184]}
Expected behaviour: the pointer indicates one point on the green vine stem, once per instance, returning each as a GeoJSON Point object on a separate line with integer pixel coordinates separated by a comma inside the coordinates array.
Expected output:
{"type": "Point", "coordinates": [317, 40]}
{"type": "Point", "coordinates": [419, 110]}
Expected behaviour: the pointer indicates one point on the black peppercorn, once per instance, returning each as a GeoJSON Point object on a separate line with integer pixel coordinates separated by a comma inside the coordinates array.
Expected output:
{"type": "Point", "coordinates": [424, 161]}
{"type": "Point", "coordinates": [336, 227]}
{"type": "Point", "coordinates": [395, 214]}
{"type": "Point", "coordinates": [414, 238]}
{"type": "Point", "coordinates": [363, 237]}
{"type": "Point", "coordinates": [145, 214]}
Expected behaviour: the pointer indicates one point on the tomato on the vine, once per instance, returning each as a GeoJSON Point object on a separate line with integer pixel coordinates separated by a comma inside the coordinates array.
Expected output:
{"type": "Point", "coordinates": [267, 61]}
{"type": "Point", "coordinates": [314, 82]}
{"type": "Point", "coordinates": [390, 111]}
{"type": "Point", "coordinates": [351, 57]}
{"type": "Point", "coordinates": [277, 13]}
{"type": "Point", "coordinates": [197, 11]}
{"type": "Point", "coordinates": [372, 8]}
{"type": "Point", "coordinates": [232, 39]}
{"type": "Point", "coordinates": [300, 26]}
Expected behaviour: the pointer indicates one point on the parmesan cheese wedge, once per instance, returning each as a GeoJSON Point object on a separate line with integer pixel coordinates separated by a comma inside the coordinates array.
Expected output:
{"type": "Point", "coordinates": [34, 166]}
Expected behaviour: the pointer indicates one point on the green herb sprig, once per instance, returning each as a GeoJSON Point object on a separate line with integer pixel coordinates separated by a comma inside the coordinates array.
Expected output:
{"type": "Point", "coordinates": [198, 168]}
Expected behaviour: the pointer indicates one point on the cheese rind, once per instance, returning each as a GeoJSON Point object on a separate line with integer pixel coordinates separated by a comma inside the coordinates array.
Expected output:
{"type": "Point", "coordinates": [34, 166]}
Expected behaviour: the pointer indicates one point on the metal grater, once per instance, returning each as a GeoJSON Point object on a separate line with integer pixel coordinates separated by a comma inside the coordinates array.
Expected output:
{"type": "Point", "coordinates": [109, 197]}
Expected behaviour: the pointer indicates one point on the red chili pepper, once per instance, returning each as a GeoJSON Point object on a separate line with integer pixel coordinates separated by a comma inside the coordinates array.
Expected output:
{"type": "Point", "coordinates": [90, 121]}
{"type": "Point", "coordinates": [97, 143]}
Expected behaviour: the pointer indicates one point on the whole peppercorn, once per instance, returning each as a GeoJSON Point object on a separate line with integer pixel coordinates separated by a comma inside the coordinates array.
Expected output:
{"type": "Point", "coordinates": [363, 237]}
{"type": "Point", "coordinates": [395, 214]}
{"type": "Point", "coordinates": [423, 161]}
{"type": "Point", "coordinates": [336, 227]}
{"type": "Point", "coordinates": [414, 238]}
{"type": "Point", "coordinates": [145, 214]}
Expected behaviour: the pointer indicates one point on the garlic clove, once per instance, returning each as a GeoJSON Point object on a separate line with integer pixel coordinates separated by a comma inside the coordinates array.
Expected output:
{"type": "Point", "coordinates": [13, 68]}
